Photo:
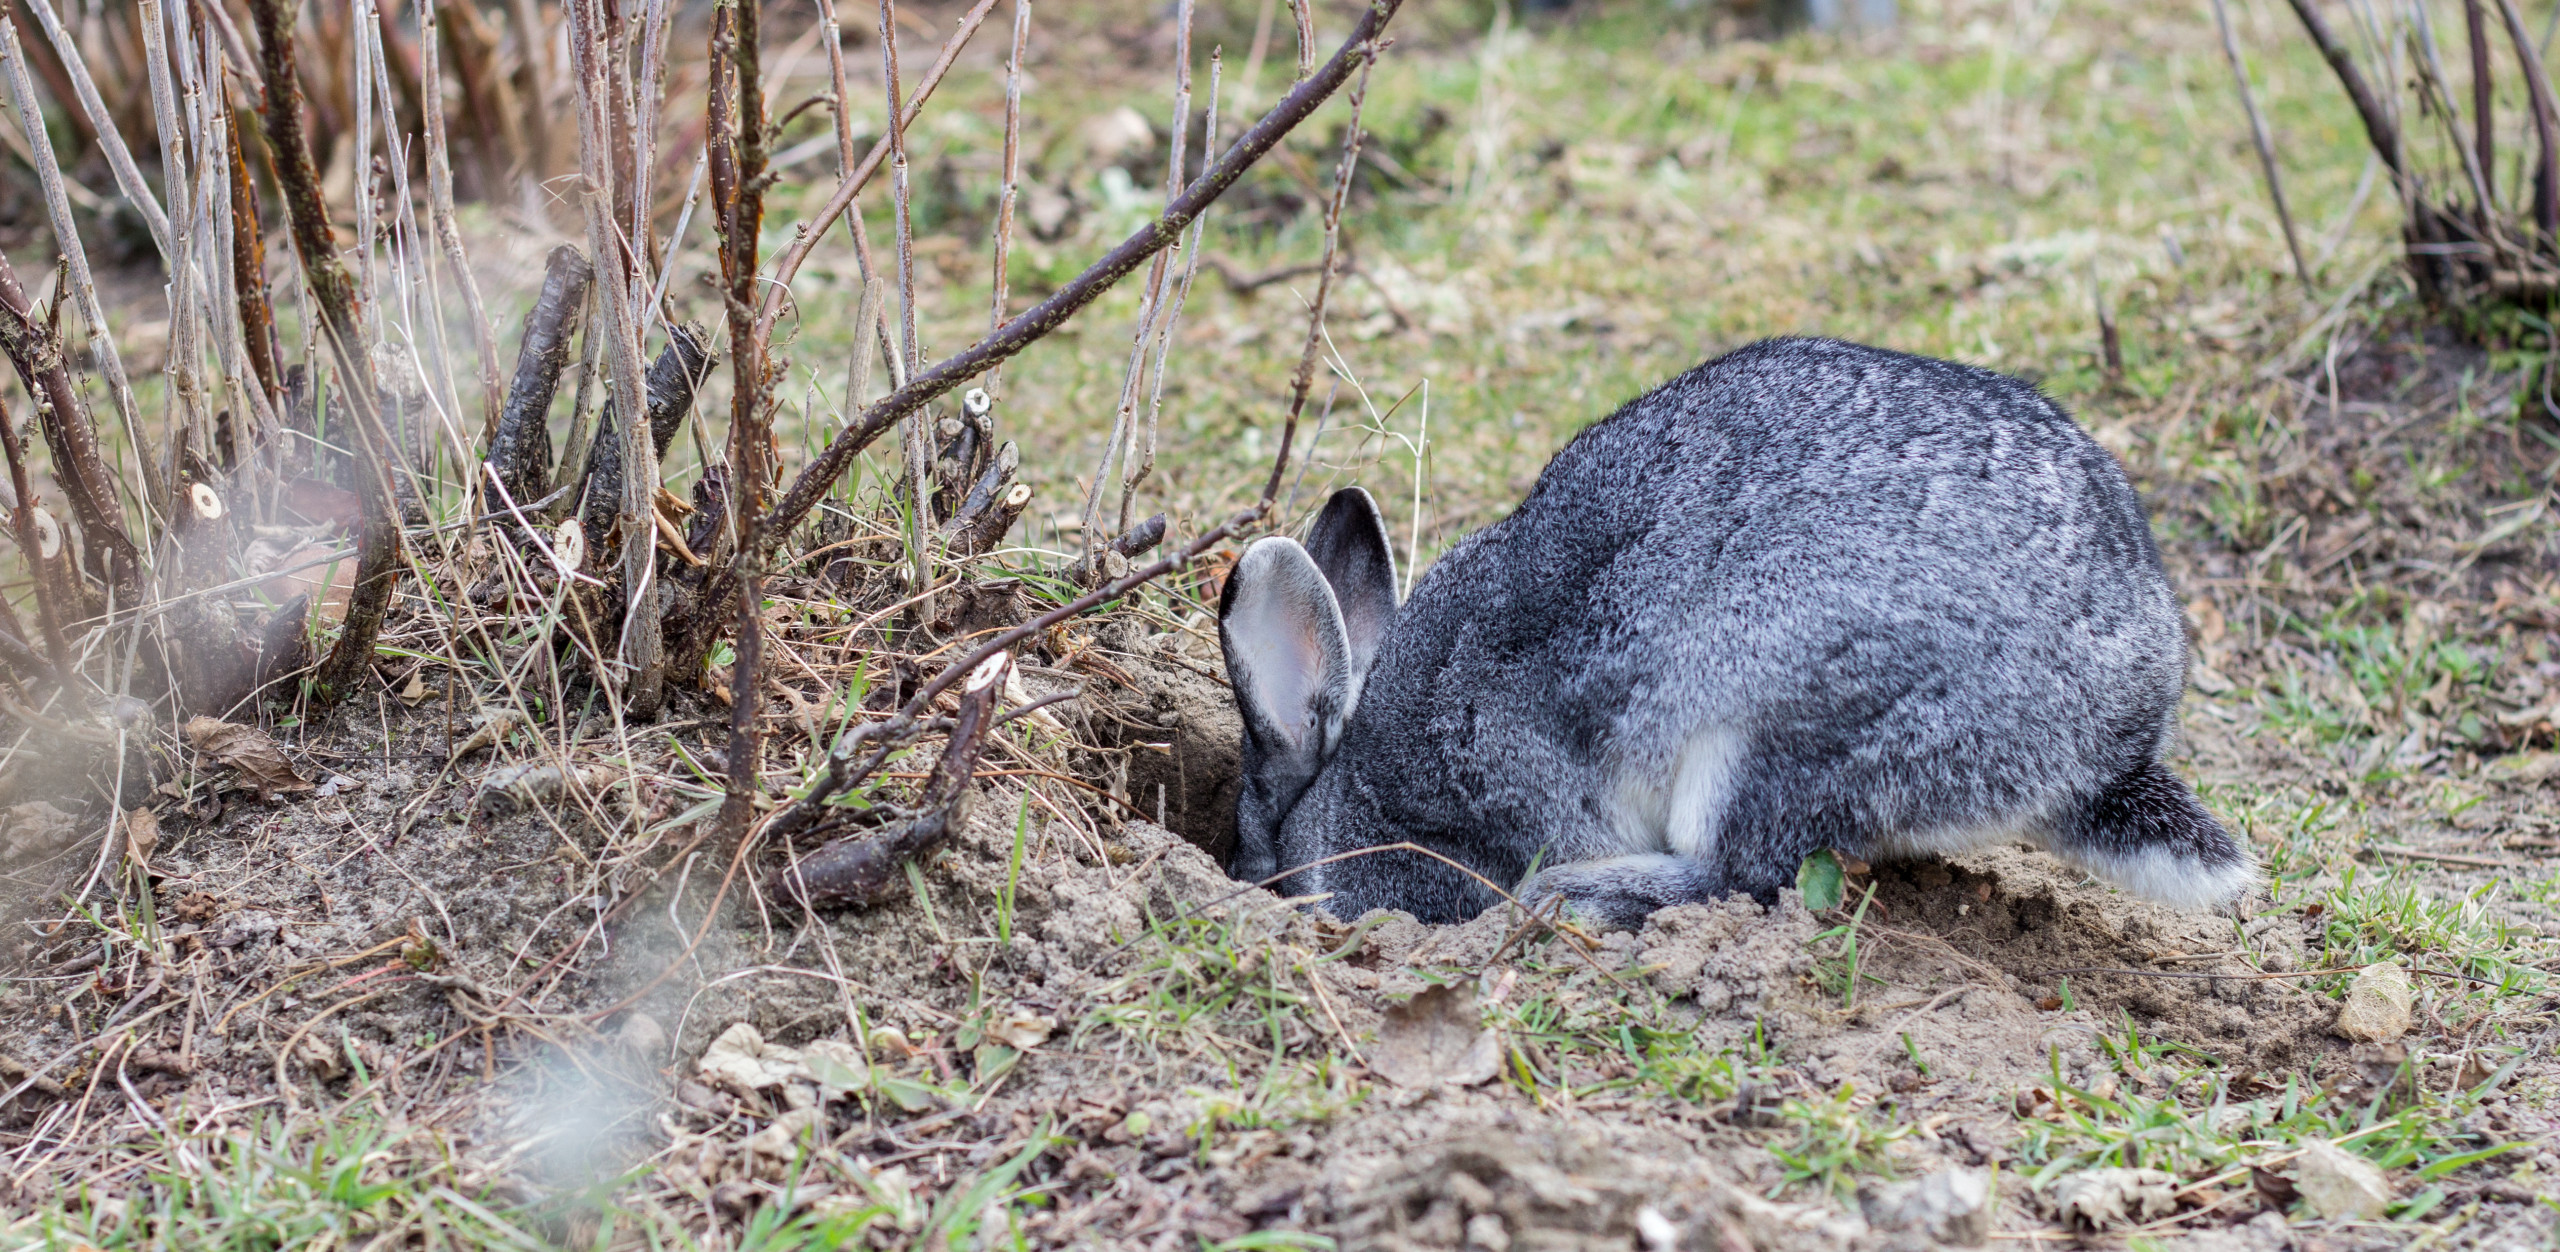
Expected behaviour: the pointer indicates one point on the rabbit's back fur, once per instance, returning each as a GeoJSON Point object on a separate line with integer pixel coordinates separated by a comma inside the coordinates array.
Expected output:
{"type": "Point", "coordinates": [1807, 595]}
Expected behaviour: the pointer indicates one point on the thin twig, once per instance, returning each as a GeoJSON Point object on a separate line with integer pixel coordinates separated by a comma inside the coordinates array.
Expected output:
{"type": "Point", "coordinates": [22, 96]}
{"type": "Point", "coordinates": [2266, 145]}
{"type": "Point", "coordinates": [787, 265]}
{"type": "Point", "coordinates": [818, 477]}
{"type": "Point", "coordinates": [917, 427]}
{"type": "Point", "coordinates": [440, 214]}
{"type": "Point", "coordinates": [1009, 193]}
{"type": "Point", "coordinates": [332, 291]}
{"type": "Point", "coordinates": [1304, 378]}
{"type": "Point", "coordinates": [2546, 126]}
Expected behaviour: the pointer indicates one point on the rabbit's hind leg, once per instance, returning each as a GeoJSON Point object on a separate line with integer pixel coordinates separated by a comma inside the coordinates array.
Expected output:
{"type": "Point", "coordinates": [2148, 834]}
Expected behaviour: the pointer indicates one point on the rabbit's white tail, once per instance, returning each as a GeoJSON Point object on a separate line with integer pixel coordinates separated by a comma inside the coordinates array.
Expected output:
{"type": "Point", "coordinates": [2150, 835]}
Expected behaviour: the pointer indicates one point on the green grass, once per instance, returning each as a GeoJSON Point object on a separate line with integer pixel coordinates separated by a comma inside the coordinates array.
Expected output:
{"type": "Point", "coordinates": [2175, 1111]}
{"type": "Point", "coordinates": [340, 1182]}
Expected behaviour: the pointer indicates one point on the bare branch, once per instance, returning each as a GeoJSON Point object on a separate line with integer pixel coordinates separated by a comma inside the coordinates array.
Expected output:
{"type": "Point", "coordinates": [440, 211]}
{"type": "Point", "coordinates": [110, 140]}
{"type": "Point", "coordinates": [787, 266]}
{"type": "Point", "coordinates": [333, 294]}
{"type": "Point", "coordinates": [1305, 377]}
{"type": "Point", "coordinates": [22, 96]}
{"type": "Point", "coordinates": [2258, 135]}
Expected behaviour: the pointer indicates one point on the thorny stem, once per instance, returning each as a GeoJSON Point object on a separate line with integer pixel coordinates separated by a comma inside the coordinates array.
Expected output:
{"type": "Point", "coordinates": [750, 442]}
{"type": "Point", "coordinates": [249, 275]}
{"type": "Point", "coordinates": [332, 290]}
{"type": "Point", "coordinates": [69, 432]}
{"type": "Point", "coordinates": [22, 521]}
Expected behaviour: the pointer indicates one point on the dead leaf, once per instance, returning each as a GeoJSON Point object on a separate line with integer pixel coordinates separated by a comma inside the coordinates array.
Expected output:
{"type": "Point", "coordinates": [1025, 1030]}
{"type": "Point", "coordinates": [488, 731]}
{"type": "Point", "coordinates": [2275, 1190]}
{"type": "Point", "coordinates": [2527, 767]}
{"type": "Point", "coordinates": [34, 831]}
{"type": "Point", "coordinates": [2103, 1199]}
{"type": "Point", "coordinates": [248, 750]}
{"type": "Point", "coordinates": [416, 688]}
{"type": "Point", "coordinates": [1436, 1038]}
{"type": "Point", "coordinates": [141, 836]}
{"type": "Point", "coordinates": [742, 1060]}
{"type": "Point", "coordinates": [326, 572]}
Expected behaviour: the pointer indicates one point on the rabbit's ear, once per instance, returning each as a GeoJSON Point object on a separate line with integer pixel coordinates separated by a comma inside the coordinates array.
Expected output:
{"type": "Point", "coordinates": [1286, 653]}
{"type": "Point", "coordinates": [1349, 543]}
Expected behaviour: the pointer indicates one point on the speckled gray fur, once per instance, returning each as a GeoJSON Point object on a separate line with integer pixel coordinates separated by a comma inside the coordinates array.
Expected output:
{"type": "Point", "coordinates": [1806, 595]}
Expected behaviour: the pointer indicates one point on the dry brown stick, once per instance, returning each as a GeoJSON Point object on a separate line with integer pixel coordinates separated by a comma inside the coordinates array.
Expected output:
{"type": "Point", "coordinates": [520, 446]}
{"type": "Point", "coordinates": [787, 265]}
{"type": "Point", "coordinates": [70, 434]}
{"type": "Point", "coordinates": [641, 649]}
{"type": "Point", "coordinates": [22, 95]}
{"type": "Point", "coordinates": [2265, 144]}
{"type": "Point", "coordinates": [333, 294]}
{"type": "Point", "coordinates": [2546, 127]}
{"type": "Point", "coordinates": [440, 210]}
{"type": "Point", "coordinates": [2484, 106]}
{"type": "Point", "coordinates": [861, 870]}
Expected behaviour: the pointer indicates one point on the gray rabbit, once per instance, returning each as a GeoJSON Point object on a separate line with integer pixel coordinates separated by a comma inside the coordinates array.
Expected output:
{"type": "Point", "coordinates": [1807, 595]}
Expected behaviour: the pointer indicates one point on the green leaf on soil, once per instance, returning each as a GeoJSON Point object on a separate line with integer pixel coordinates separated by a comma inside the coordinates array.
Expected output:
{"type": "Point", "coordinates": [1822, 881]}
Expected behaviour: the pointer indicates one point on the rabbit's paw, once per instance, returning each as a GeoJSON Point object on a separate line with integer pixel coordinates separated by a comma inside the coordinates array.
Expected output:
{"type": "Point", "coordinates": [1619, 892]}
